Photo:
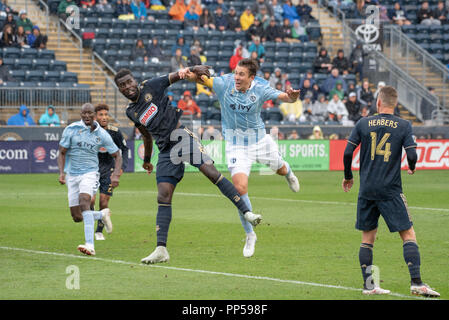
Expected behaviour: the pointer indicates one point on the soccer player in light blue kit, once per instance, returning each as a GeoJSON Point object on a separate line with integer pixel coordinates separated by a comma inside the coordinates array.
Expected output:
{"type": "Point", "coordinates": [78, 159]}
{"type": "Point", "coordinates": [241, 97]}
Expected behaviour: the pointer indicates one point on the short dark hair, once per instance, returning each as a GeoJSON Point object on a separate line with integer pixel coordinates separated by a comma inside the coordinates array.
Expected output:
{"type": "Point", "coordinates": [101, 106]}
{"type": "Point", "coordinates": [121, 73]}
{"type": "Point", "coordinates": [251, 64]}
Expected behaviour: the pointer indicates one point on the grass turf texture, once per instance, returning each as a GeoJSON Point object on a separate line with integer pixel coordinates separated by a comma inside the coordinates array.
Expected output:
{"type": "Point", "coordinates": [310, 237]}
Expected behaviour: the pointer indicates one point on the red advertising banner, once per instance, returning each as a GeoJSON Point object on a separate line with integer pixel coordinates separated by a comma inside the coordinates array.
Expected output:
{"type": "Point", "coordinates": [432, 154]}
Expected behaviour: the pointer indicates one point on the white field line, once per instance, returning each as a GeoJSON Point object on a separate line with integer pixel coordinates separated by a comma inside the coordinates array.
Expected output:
{"type": "Point", "coordinates": [189, 194]}
{"type": "Point", "coordinates": [225, 274]}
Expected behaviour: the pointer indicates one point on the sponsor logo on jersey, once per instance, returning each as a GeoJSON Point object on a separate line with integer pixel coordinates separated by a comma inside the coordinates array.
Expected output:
{"type": "Point", "coordinates": [149, 114]}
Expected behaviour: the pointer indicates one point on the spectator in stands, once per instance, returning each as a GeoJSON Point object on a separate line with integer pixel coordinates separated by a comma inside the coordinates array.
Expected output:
{"type": "Point", "coordinates": [221, 23]}
{"type": "Point", "coordinates": [177, 61]}
{"type": "Point", "coordinates": [398, 15]}
{"type": "Point", "coordinates": [293, 135]}
{"type": "Point", "coordinates": [304, 12]}
{"type": "Point", "coordinates": [171, 97]}
{"type": "Point", "coordinates": [246, 19]}
{"type": "Point", "coordinates": [322, 63]}
{"type": "Point", "coordinates": [263, 16]}
{"type": "Point", "coordinates": [180, 43]}
{"type": "Point", "coordinates": [299, 32]}
{"type": "Point", "coordinates": [5, 76]}
{"type": "Point", "coordinates": [202, 89]}
{"type": "Point", "coordinates": [255, 30]}
{"type": "Point", "coordinates": [139, 52]}
{"type": "Point", "coordinates": [257, 47]}
{"type": "Point", "coordinates": [276, 77]}
{"type": "Point", "coordinates": [258, 7]}
{"type": "Point", "coordinates": [365, 112]}
{"type": "Point", "coordinates": [351, 88]}
{"type": "Point", "coordinates": [332, 80]}
{"type": "Point", "coordinates": [291, 111]}
{"type": "Point", "coordinates": [5, 8]}
{"type": "Point", "coordinates": [425, 15]}
{"type": "Point", "coordinates": [207, 20]}
{"type": "Point", "coordinates": [197, 6]}
{"type": "Point", "coordinates": [87, 3]}
{"type": "Point", "coordinates": [49, 118]}
{"type": "Point", "coordinates": [7, 37]}
{"type": "Point", "coordinates": [122, 9]}
{"type": "Point", "coordinates": [287, 32]}
{"type": "Point", "coordinates": [309, 75]}
{"type": "Point", "coordinates": [197, 43]}
{"type": "Point", "coordinates": [276, 134]}
{"type": "Point", "coordinates": [194, 58]}
{"type": "Point", "coordinates": [306, 88]}
{"type": "Point", "coordinates": [337, 110]}
{"type": "Point", "coordinates": [11, 21]}
{"type": "Point", "coordinates": [273, 32]}
{"type": "Point", "coordinates": [266, 75]}
{"type": "Point", "coordinates": [233, 20]}
{"type": "Point", "coordinates": [253, 55]}
{"type": "Point", "coordinates": [139, 9]}
{"type": "Point", "coordinates": [353, 107]}
{"type": "Point", "coordinates": [365, 95]}
{"type": "Point", "coordinates": [278, 12]}
{"type": "Point", "coordinates": [317, 134]}
{"type": "Point", "coordinates": [102, 5]}
{"type": "Point", "coordinates": [178, 10]}
{"type": "Point", "coordinates": [307, 106]}
{"type": "Point", "coordinates": [217, 3]}
{"type": "Point", "coordinates": [188, 105]}
{"type": "Point", "coordinates": [236, 57]}
{"type": "Point", "coordinates": [341, 62]}
{"type": "Point", "coordinates": [62, 10]}
{"type": "Point", "coordinates": [36, 39]}
{"type": "Point", "coordinates": [191, 19]}
{"type": "Point", "coordinates": [23, 118]}
{"type": "Point", "coordinates": [290, 11]}
{"type": "Point", "coordinates": [155, 50]}
{"type": "Point", "coordinates": [338, 90]}
{"type": "Point", "coordinates": [357, 59]}
{"type": "Point", "coordinates": [25, 22]}
{"type": "Point", "coordinates": [440, 13]}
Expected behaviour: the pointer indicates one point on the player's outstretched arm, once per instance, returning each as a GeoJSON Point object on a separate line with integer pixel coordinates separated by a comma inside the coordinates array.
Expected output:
{"type": "Point", "coordinates": [115, 176]}
{"type": "Point", "coordinates": [290, 95]}
{"type": "Point", "coordinates": [61, 163]}
{"type": "Point", "coordinates": [191, 73]}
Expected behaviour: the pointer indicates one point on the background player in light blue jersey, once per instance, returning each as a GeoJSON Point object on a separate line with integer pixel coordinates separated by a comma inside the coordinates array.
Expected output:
{"type": "Point", "coordinates": [241, 97]}
{"type": "Point", "coordinates": [78, 168]}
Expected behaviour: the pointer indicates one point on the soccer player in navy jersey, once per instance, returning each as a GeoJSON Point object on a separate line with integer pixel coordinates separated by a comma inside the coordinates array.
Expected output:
{"type": "Point", "coordinates": [106, 163]}
{"type": "Point", "coordinates": [382, 138]}
{"type": "Point", "coordinates": [157, 119]}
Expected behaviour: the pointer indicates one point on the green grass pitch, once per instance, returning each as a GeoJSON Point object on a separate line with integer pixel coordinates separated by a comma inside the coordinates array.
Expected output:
{"type": "Point", "coordinates": [307, 245]}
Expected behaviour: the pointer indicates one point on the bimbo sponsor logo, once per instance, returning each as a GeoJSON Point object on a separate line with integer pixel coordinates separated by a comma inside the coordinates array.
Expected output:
{"type": "Point", "coordinates": [148, 114]}
{"type": "Point", "coordinates": [13, 154]}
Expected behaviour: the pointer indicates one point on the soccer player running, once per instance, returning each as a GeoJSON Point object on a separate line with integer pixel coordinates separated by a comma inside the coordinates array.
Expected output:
{"type": "Point", "coordinates": [106, 164]}
{"type": "Point", "coordinates": [155, 117]}
{"type": "Point", "coordinates": [78, 168]}
{"type": "Point", "coordinates": [241, 97]}
{"type": "Point", "coordinates": [382, 138]}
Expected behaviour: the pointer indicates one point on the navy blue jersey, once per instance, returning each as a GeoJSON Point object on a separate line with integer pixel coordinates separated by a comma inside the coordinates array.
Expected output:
{"type": "Point", "coordinates": [382, 138]}
{"type": "Point", "coordinates": [105, 160]}
{"type": "Point", "coordinates": [154, 111]}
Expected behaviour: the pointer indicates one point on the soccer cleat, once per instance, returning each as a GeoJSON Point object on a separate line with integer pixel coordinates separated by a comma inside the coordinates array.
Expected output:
{"type": "Point", "coordinates": [106, 218]}
{"type": "Point", "coordinates": [250, 245]}
{"type": "Point", "coordinates": [293, 182]}
{"type": "Point", "coordinates": [160, 254]}
{"type": "Point", "coordinates": [423, 290]}
{"type": "Point", "coordinates": [99, 236]}
{"type": "Point", "coordinates": [86, 249]}
{"type": "Point", "coordinates": [252, 218]}
{"type": "Point", "coordinates": [374, 291]}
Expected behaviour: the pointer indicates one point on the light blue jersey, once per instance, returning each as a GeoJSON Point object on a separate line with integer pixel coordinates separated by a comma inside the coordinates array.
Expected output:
{"type": "Point", "coordinates": [240, 111]}
{"type": "Point", "coordinates": [83, 146]}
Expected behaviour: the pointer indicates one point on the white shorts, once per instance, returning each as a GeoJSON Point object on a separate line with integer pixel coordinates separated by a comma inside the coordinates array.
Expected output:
{"type": "Point", "coordinates": [86, 183]}
{"type": "Point", "coordinates": [241, 158]}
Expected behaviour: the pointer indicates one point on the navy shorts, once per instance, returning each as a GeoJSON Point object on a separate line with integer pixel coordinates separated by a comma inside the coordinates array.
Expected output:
{"type": "Point", "coordinates": [105, 183]}
{"type": "Point", "coordinates": [170, 166]}
{"type": "Point", "coordinates": [394, 211]}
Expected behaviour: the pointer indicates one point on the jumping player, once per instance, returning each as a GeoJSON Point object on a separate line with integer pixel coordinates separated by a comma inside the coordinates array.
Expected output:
{"type": "Point", "coordinates": [156, 118]}
{"type": "Point", "coordinates": [382, 138]}
{"type": "Point", "coordinates": [106, 163]}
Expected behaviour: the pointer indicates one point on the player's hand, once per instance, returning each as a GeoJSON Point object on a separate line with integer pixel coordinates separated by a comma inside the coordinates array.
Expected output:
{"type": "Point", "coordinates": [115, 180]}
{"type": "Point", "coordinates": [201, 70]}
{"type": "Point", "coordinates": [411, 171]}
{"type": "Point", "coordinates": [347, 184]}
{"type": "Point", "coordinates": [293, 94]}
{"type": "Point", "coordinates": [148, 167]}
{"type": "Point", "coordinates": [62, 178]}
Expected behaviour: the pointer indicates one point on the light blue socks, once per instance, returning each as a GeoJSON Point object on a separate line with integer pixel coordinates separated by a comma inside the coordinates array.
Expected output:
{"type": "Point", "coordinates": [246, 225]}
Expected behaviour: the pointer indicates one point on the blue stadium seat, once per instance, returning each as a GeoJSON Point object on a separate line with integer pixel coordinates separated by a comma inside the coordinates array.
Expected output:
{"type": "Point", "coordinates": [281, 56]}
{"type": "Point", "coordinates": [57, 65]}
{"type": "Point", "coordinates": [227, 45]}
{"type": "Point", "coordinates": [28, 53]}
{"type": "Point", "coordinates": [124, 64]}
{"type": "Point", "coordinates": [200, 34]}
{"type": "Point", "coordinates": [123, 54]}
{"type": "Point", "coordinates": [136, 65]}
{"type": "Point", "coordinates": [98, 45]}
{"type": "Point", "coordinates": [45, 54]}
{"type": "Point", "coordinates": [213, 114]}
{"type": "Point", "coordinates": [212, 56]}
{"type": "Point", "coordinates": [18, 75]}
{"type": "Point", "coordinates": [118, 23]}
{"type": "Point", "coordinates": [112, 44]}
{"type": "Point", "coordinates": [294, 56]}
{"type": "Point", "coordinates": [274, 114]}
{"type": "Point", "coordinates": [34, 75]}
{"type": "Point", "coordinates": [22, 64]}
{"type": "Point", "coordinates": [267, 66]}
{"type": "Point", "coordinates": [110, 56]}
{"type": "Point", "coordinates": [66, 76]}
{"type": "Point", "coordinates": [127, 44]}
{"type": "Point", "coordinates": [143, 34]}
{"type": "Point", "coordinates": [225, 55]}
{"type": "Point", "coordinates": [187, 35]}
{"type": "Point", "coordinates": [52, 76]}
{"type": "Point", "coordinates": [80, 96]}
{"type": "Point", "coordinates": [11, 52]}
{"type": "Point", "coordinates": [104, 22]}
{"type": "Point", "coordinates": [211, 45]}
{"type": "Point", "coordinates": [283, 47]}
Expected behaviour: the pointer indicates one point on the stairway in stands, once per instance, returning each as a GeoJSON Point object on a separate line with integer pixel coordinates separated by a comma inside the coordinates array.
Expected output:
{"type": "Point", "coordinates": [66, 50]}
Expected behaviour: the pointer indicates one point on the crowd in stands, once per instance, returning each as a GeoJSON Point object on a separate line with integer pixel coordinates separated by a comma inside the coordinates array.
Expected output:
{"type": "Point", "coordinates": [20, 32]}
{"type": "Point", "coordinates": [25, 118]}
